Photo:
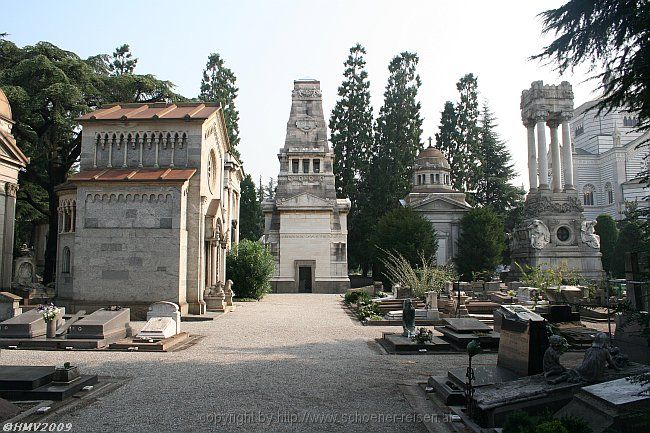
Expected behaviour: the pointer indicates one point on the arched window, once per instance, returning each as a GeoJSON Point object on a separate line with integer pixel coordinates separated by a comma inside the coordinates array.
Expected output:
{"type": "Point", "coordinates": [609, 192]}
{"type": "Point", "coordinates": [65, 265]}
{"type": "Point", "coordinates": [588, 195]}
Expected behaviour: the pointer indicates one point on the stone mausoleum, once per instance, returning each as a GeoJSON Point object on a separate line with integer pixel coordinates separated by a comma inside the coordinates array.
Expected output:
{"type": "Point", "coordinates": [153, 210]}
{"type": "Point", "coordinates": [433, 197]}
{"type": "Point", "coordinates": [305, 224]}
{"type": "Point", "coordinates": [554, 232]}
{"type": "Point", "coordinates": [12, 160]}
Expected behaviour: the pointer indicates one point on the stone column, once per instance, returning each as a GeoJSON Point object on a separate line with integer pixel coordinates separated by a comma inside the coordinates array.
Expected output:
{"type": "Point", "coordinates": [214, 267]}
{"type": "Point", "coordinates": [532, 155]}
{"type": "Point", "coordinates": [567, 152]}
{"type": "Point", "coordinates": [208, 265]}
{"type": "Point", "coordinates": [8, 238]}
{"type": "Point", "coordinates": [555, 155]}
{"type": "Point", "coordinates": [542, 151]}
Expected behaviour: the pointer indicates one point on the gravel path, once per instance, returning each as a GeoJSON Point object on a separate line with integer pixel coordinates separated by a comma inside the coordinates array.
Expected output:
{"type": "Point", "coordinates": [287, 363]}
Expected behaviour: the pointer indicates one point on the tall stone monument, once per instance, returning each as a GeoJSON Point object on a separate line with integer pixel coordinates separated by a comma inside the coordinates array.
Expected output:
{"type": "Point", "coordinates": [554, 231]}
{"type": "Point", "coordinates": [305, 224]}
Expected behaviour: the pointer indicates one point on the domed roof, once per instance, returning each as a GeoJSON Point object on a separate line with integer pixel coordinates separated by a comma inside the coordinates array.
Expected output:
{"type": "Point", "coordinates": [431, 152]}
{"type": "Point", "coordinates": [5, 108]}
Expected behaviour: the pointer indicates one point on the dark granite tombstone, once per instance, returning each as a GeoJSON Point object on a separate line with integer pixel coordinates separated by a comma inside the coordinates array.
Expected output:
{"type": "Point", "coordinates": [8, 410]}
{"type": "Point", "coordinates": [460, 331]}
{"type": "Point", "coordinates": [523, 340]}
{"type": "Point", "coordinates": [559, 313]}
{"type": "Point", "coordinates": [38, 383]}
{"type": "Point", "coordinates": [102, 324]}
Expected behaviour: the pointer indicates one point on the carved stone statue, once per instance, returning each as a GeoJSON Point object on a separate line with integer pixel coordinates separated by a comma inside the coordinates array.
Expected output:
{"type": "Point", "coordinates": [588, 234]}
{"type": "Point", "coordinates": [539, 234]}
{"type": "Point", "coordinates": [597, 357]}
{"type": "Point", "coordinates": [408, 318]}
{"type": "Point", "coordinates": [554, 372]}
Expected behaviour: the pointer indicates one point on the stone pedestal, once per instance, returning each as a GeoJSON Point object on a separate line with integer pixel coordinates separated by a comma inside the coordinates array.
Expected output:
{"type": "Point", "coordinates": [555, 234]}
{"type": "Point", "coordinates": [9, 305]}
{"type": "Point", "coordinates": [215, 299]}
{"type": "Point", "coordinates": [228, 293]}
{"type": "Point", "coordinates": [432, 306]}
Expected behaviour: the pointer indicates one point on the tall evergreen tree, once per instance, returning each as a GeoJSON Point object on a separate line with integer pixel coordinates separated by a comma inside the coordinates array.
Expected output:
{"type": "Point", "coordinates": [250, 212]}
{"type": "Point", "coordinates": [352, 141]}
{"type": "Point", "coordinates": [481, 243]}
{"type": "Point", "coordinates": [447, 142]}
{"type": "Point", "coordinates": [397, 135]}
{"type": "Point", "coordinates": [397, 142]}
{"type": "Point", "coordinates": [467, 111]}
{"type": "Point", "coordinates": [497, 171]}
{"type": "Point", "coordinates": [608, 232]}
{"type": "Point", "coordinates": [351, 126]}
{"type": "Point", "coordinates": [219, 84]}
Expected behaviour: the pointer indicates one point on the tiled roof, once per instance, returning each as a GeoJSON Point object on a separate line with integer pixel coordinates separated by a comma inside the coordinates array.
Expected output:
{"type": "Point", "coordinates": [134, 175]}
{"type": "Point", "coordinates": [153, 111]}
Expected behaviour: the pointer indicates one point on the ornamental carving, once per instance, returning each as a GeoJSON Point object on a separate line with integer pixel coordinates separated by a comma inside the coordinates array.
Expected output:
{"type": "Point", "coordinates": [307, 93]}
{"type": "Point", "coordinates": [588, 234]}
{"type": "Point", "coordinates": [544, 204]}
{"type": "Point", "coordinates": [11, 189]}
{"type": "Point", "coordinates": [539, 234]}
{"type": "Point", "coordinates": [306, 124]}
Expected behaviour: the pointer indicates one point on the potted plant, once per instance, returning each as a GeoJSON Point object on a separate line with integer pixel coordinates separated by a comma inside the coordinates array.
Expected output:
{"type": "Point", "coordinates": [67, 373]}
{"type": "Point", "coordinates": [50, 313]}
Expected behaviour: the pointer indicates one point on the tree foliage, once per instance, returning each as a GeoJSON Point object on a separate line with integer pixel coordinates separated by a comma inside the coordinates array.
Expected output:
{"type": "Point", "coordinates": [251, 219]}
{"type": "Point", "coordinates": [606, 229]}
{"type": "Point", "coordinates": [497, 171]}
{"type": "Point", "coordinates": [447, 140]}
{"type": "Point", "coordinates": [481, 243]}
{"type": "Point", "coordinates": [48, 89]}
{"type": "Point", "coordinates": [352, 141]}
{"type": "Point", "coordinates": [219, 84]}
{"type": "Point", "coordinates": [403, 231]}
{"type": "Point", "coordinates": [351, 126]}
{"type": "Point", "coordinates": [613, 38]}
{"type": "Point", "coordinates": [633, 237]}
{"type": "Point", "coordinates": [123, 61]}
{"type": "Point", "coordinates": [250, 266]}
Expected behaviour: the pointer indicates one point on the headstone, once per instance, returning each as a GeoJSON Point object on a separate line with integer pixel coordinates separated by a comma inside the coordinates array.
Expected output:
{"type": "Point", "coordinates": [492, 286]}
{"type": "Point", "coordinates": [432, 306]}
{"type": "Point", "coordinates": [515, 285]}
{"type": "Point", "coordinates": [402, 292]}
{"type": "Point", "coordinates": [103, 324]}
{"type": "Point", "coordinates": [25, 267]}
{"type": "Point", "coordinates": [420, 314]}
{"type": "Point", "coordinates": [29, 324]}
{"type": "Point", "coordinates": [523, 340]}
{"type": "Point", "coordinates": [377, 286]}
{"type": "Point", "coordinates": [166, 309]}
{"type": "Point", "coordinates": [527, 295]}
{"type": "Point", "coordinates": [9, 305]}
{"type": "Point", "coordinates": [158, 328]}
{"type": "Point", "coordinates": [448, 287]}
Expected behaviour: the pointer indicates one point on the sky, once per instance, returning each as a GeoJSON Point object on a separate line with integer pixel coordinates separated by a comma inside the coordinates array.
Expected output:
{"type": "Point", "coordinates": [268, 44]}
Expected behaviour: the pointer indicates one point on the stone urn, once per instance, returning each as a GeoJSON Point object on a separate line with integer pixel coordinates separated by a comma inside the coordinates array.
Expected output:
{"type": "Point", "coordinates": [50, 328]}
{"type": "Point", "coordinates": [462, 308]}
{"type": "Point", "coordinates": [66, 373]}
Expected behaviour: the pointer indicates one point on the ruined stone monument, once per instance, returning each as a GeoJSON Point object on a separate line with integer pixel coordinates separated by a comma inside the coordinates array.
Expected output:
{"type": "Point", "coordinates": [554, 231]}
{"type": "Point", "coordinates": [305, 224]}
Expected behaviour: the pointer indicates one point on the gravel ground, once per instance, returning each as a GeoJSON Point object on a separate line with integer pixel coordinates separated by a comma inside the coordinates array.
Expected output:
{"type": "Point", "coordinates": [287, 363]}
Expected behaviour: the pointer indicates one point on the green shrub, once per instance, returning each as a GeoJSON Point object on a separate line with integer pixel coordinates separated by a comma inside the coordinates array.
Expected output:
{"type": "Point", "coordinates": [521, 422]}
{"type": "Point", "coordinates": [250, 266]}
{"type": "Point", "coordinates": [368, 310]}
{"type": "Point", "coordinates": [353, 296]}
{"type": "Point", "coordinates": [481, 243]}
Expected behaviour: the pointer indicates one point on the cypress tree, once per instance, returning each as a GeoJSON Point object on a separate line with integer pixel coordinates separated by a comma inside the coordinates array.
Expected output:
{"type": "Point", "coordinates": [351, 126]}
{"type": "Point", "coordinates": [219, 84]}
{"type": "Point", "coordinates": [250, 211]}
{"type": "Point", "coordinates": [606, 229]}
{"type": "Point", "coordinates": [447, 142]}
{"type": "Point", "coordinates": [467, 111]}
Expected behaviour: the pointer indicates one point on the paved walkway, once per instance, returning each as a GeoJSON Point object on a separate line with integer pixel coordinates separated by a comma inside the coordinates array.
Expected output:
{"type": "Point", "coordinates": [287, 363]}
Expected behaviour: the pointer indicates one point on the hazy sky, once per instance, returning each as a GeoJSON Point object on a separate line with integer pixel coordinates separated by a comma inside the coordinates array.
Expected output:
{"type": "Point", "coordinates": [268, 44]}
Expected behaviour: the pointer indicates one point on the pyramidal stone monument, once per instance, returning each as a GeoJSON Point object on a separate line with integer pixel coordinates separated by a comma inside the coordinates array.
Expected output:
{"type": "Point", "coordinates": [305, 224]}
{"type": "Point", "coordinates": [554, 232]}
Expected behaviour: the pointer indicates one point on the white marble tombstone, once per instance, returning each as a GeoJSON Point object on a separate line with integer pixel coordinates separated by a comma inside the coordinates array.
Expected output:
{"type": "Point", "coordinates": [165, 309]}
{"type": "Point", "coordinates": [432, 306]}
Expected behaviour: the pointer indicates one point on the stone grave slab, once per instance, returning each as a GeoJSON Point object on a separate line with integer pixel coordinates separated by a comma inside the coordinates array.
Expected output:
{"type": "Point", "coordinates": [9, 305]}
{"type": "Point", "coordinates": [450, 388]}
{"type": "Point", "coordinates": [8, 410]}
{"type": "Point", "coordinates": [102, 324]}
{"type": "Point", "coordinates": [460, 340]}
{"type": "Point", "coordinates": [532, 393]}
{"type": "Point", "coordinates": [523, 340]}
{"type": "Point", "coordinates": [397, 314]}
{"type": "Point", "coordinates": [30, 324]}
{"type": "Point", "coordinates": [397, 343]}
{"type": "Point", "coordinates": [158, 328]}
{"type": "Point", "coordinates": [466, 324]}
{"type": "Point", "coordinates": [24, 377]}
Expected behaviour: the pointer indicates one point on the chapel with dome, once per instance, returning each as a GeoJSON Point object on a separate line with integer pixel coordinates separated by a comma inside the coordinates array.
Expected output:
{"type": "Point", "coordinates": [434, 198]}
{"type": "Point", "coordinates": [12, 160]}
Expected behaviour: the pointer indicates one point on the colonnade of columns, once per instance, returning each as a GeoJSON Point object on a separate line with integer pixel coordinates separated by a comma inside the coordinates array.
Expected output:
{"type": "Point", "coordinates": [216, 263]}
{"type": "Point", "coordinates": [537, 152]}
{"type": "Point", "coordinates": [67, 217]}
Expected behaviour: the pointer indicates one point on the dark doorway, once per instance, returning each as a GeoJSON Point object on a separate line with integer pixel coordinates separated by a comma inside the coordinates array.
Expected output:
{"type": "Point", "coordinates": [304, 279]}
